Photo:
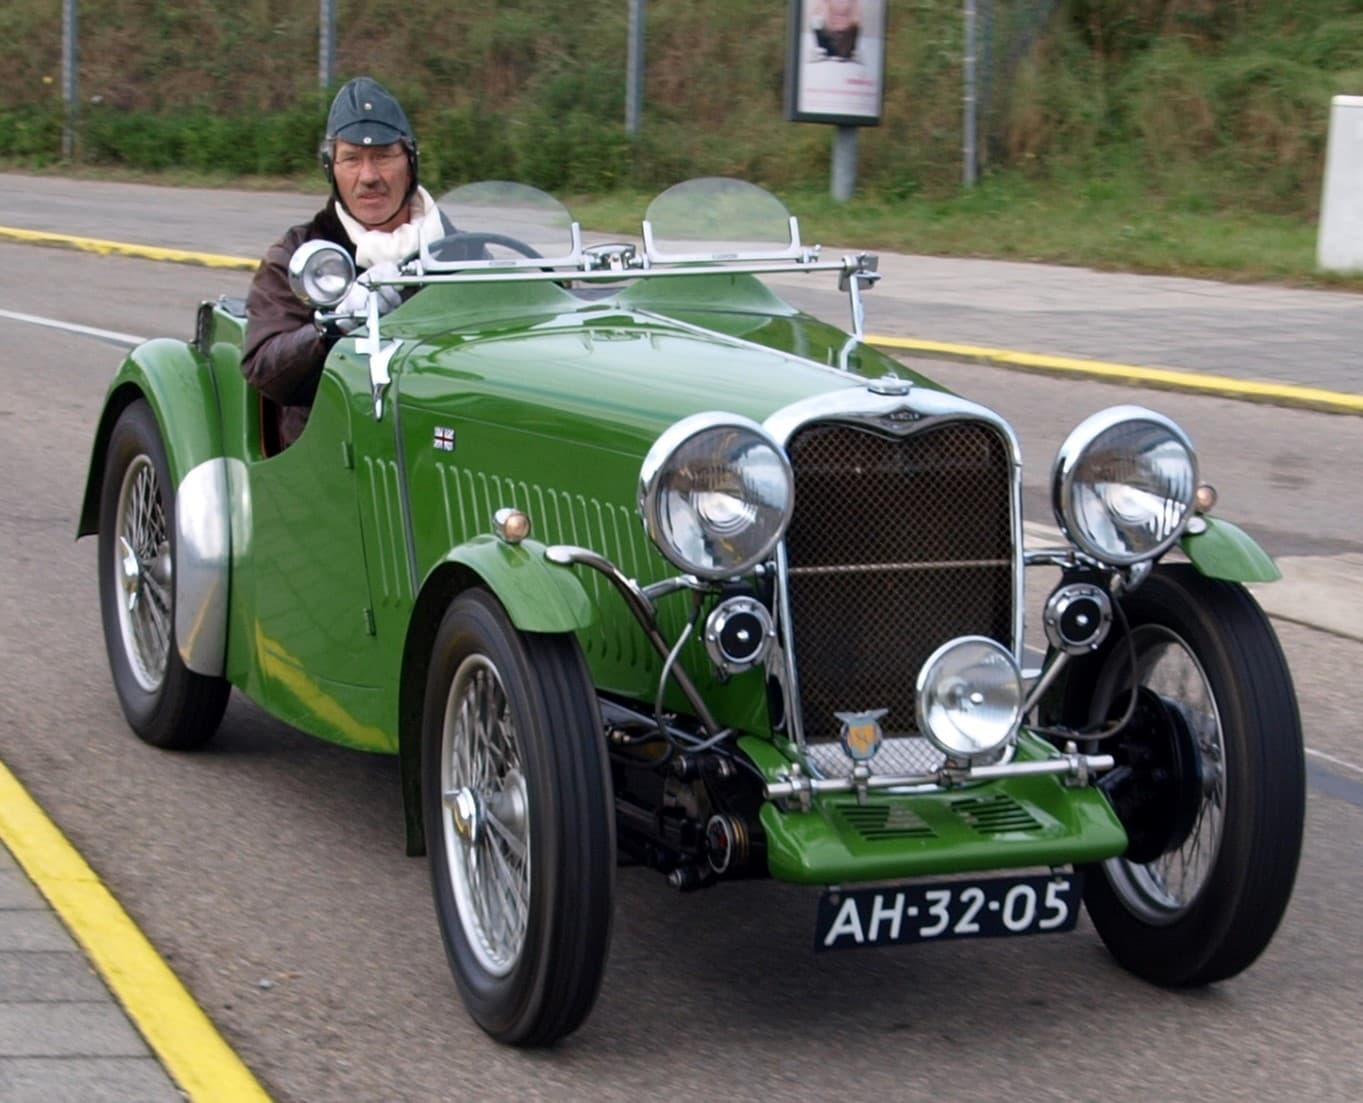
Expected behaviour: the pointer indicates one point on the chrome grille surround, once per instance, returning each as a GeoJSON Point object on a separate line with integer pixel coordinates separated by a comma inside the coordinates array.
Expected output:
{"type": "Point", "coordinates": [856, 592]}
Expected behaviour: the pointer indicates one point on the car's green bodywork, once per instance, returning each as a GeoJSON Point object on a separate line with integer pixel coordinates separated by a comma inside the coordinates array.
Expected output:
{"type": "Point", "coordinates": [346, 548]}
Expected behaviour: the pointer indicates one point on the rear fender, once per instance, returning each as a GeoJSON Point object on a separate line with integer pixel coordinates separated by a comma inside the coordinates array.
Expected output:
{"type": "Point", "coordinates": [1225, 551]}
{"type": "Point", "coordinates": [538, 596]}
{"type": "Point", "coordinates": [177, 383]}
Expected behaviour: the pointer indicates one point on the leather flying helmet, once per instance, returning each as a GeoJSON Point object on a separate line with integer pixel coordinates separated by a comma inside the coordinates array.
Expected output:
{"type": "Point", "coordinates": [365, 113]}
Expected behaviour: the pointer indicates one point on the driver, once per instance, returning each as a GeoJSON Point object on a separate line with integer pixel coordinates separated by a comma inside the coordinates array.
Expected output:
{"type": "Point", "coordinates": [377, 212]}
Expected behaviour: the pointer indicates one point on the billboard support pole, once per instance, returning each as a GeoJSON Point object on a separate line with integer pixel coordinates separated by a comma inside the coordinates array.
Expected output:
{"type": "Point", "coordinates": [844, 162]}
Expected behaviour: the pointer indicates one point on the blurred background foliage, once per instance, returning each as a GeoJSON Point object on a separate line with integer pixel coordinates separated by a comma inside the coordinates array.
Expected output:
{"type": "Point", "coordinates": [1209, 103]}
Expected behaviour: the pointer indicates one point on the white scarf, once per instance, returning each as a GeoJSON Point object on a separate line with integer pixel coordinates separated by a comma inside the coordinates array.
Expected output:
{"type": "Point", "coordinates": [379, 246]}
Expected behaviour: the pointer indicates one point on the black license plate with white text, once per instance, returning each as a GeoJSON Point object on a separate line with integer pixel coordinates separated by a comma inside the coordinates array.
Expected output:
{"type": "Point", "coordinates": [887, 915]}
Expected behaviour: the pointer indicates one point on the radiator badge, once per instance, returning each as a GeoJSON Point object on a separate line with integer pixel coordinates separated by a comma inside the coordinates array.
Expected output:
{"type": "Point", "coordinates": [860, 734]}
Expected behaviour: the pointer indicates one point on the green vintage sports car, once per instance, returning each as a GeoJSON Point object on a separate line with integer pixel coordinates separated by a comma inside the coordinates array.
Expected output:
{"type": "Point", "coordinates": [627, 559]}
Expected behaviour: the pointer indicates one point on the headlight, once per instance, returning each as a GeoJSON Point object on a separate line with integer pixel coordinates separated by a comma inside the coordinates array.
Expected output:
{"type": "Point", "coordinates": [969, 697]}
{"type": "Point", "coordinates": [321, 273]}
{"type": "Point", "coordinates": [1123, 484]}
{"type": "Point", "coordinates": [716, 493]}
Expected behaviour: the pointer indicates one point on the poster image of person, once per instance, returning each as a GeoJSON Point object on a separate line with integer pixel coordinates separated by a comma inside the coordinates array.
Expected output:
{"type": "Point", "coordinates": [836, 25]}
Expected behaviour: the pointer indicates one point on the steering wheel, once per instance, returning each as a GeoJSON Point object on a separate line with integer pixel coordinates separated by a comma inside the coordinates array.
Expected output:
{"type": "Point", "coordinates": [469, 244]}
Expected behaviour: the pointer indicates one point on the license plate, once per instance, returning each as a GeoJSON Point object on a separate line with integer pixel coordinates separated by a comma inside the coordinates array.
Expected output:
{"type": "Point", "coordinates": [998, 907]}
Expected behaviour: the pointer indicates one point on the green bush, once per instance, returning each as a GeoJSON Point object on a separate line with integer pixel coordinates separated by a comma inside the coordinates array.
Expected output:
{"type": "Point", "coordinates": [33, 134]}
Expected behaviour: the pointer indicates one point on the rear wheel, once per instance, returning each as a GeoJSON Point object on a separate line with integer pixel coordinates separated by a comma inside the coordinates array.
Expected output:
{"type": "Point", "coordinates": [1210, 780]}
{"type": "Point", "coordinates": [166, 704]}
{"type": "Point", "coordinates": [519, 822]}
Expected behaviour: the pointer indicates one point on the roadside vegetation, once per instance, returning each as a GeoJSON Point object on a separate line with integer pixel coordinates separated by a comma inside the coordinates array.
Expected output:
{"type": "Point", "coordinates": [1161, 135]}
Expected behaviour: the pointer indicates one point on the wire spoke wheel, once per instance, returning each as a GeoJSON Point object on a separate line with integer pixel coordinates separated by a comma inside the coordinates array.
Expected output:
{"type": "Point", "coordinates": [1210, 781]}
{"type": "Point", "coordinates": [1162, 890]}
{"type": "Point", "coordinates": [485, 824]}
{"type": "Point", "coordinates": [166, 704]}
{"type": "Point", "coordinates": [143, 573]}
{"type": "Point", "coordinates": [519, 821]}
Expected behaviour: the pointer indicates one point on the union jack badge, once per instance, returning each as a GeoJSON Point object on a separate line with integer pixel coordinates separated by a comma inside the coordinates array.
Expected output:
{"type": "Point", "coordinates": [444, 439]}
{"type": "Point", "coordinates": [861, 735]}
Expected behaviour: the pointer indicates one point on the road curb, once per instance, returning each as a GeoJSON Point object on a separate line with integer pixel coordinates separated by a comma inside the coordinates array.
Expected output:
{"type": "Point", "coordinates": [125, 249]}
{"type": "Point", "coordinates": [1274, 394]}
{"type": "Point", "coordinates": [176, 1028]}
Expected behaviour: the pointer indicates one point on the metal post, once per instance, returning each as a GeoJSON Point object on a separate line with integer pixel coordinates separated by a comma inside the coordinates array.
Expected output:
{"type": "Point", "coordinates": [69, 53]}
{"type": "Point", "coordinates": [634, 69]}
{"type": "Point", "coordinates": [326, 45]}
{"type": "Point", "coordinates": [970, 156]}
{"type": "Point", "coordinates": [844, 162]}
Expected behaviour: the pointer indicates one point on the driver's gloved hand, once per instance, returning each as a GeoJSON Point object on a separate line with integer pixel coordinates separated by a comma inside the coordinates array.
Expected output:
{"type": "Point", "coordinates": [354, 308]}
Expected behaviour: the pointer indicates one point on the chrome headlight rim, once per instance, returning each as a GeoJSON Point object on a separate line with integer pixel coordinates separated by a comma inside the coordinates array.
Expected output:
{"type": "Point", "coordinates": [931, 678]}
{"type": "Point", "coordinates": [1065, 476]}
{"type": "Point", "coordinates": [652, 484]}
{"type": "Point", "coordinates": [321, 273]}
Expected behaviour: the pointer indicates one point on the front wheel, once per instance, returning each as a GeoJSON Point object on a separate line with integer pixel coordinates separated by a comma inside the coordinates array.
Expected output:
{"type": "Point", "coordinates": [1210, 780]}
{"type": "Point", "coordinates": [519, 822]}
{"type": "Point", "coordinates": [166, 703]}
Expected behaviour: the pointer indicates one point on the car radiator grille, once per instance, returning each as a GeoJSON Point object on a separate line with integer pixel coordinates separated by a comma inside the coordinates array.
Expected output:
{"type": "Point", "coordinates": [898, 544]}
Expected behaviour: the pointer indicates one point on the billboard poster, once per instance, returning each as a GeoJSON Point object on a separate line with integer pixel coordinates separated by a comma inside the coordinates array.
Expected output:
{"type": "Point", "coordinates": [835, 66]}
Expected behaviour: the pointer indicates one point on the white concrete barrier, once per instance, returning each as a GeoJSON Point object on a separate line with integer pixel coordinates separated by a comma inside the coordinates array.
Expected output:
{"type": "Point", "coordinates": [1339, 242]}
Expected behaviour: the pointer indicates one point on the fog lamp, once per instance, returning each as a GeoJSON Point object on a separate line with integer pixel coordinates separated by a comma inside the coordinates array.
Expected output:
{"type": "Point", "coordinates": [969, 697]}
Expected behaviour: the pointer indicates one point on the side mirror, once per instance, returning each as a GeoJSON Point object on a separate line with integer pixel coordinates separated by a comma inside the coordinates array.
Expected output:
{"type": "Point", "coordinates": [321, 273]}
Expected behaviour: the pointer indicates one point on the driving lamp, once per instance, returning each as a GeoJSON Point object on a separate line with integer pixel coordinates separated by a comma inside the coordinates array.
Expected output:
{"type": "Point", "coordinates": [969, 697]}
{"type": "Point", "coordinates": [321, 273]}
{"type": "Point", "coordinates": [716, 493]}
{"type": "Point", "coordinates": [1123, 484]}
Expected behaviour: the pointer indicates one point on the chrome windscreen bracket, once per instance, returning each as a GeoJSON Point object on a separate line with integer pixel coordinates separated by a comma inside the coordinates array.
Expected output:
{"type": "Point", "coordinates": [856, 271]}
{"type": "Point", "coordinates": [379, 357]}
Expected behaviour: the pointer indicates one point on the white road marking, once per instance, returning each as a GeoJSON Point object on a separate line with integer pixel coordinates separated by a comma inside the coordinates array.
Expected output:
{"type": "Point", "coordinates": [71, 327]}
{"type": "Point", "coordinates": [1334, 761]}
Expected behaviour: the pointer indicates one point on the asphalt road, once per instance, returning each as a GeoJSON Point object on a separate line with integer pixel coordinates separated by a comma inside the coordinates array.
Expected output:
{"type": "Point", "coordinates": [269, 868]}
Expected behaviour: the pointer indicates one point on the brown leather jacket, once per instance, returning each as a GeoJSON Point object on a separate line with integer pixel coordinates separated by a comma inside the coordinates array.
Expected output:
{"type": "Point", "coordinates": [284, 350]}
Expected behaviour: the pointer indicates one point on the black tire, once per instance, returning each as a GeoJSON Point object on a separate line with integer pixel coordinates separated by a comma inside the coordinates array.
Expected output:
{"type": "Point", "coordinates": [1206, 898]}
{"type": "Point", "coordinates": [166, 704]}
{"type": "Point", "coordinates": [510, 724]}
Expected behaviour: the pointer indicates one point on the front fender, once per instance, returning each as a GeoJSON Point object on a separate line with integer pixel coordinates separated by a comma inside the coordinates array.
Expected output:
{"type": "Point", "coordinates": [1226, 551]}
{"type": "Point", "coordinates": [177, 383]}
{"type": "Point", "coordinates": [537, 595]}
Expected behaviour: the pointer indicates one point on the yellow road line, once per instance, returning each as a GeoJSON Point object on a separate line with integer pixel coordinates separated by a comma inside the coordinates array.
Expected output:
{"type": "Point", "coordinates": [123, 249]}
{"type": "Point", "coordinates": [1286, 394]}
{"type": "Point", "coordinates": [176, 1028]}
